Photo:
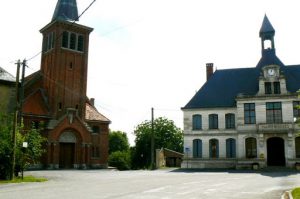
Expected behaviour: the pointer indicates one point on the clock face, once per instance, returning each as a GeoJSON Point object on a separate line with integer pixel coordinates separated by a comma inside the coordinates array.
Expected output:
{"type": "Point", "coordinates": [271, 72]}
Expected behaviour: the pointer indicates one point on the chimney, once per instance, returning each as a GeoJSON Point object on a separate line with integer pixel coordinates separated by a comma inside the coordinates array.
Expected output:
{"type": "Point", "coordinates": [209, 70]}
{"type": "Point", "coordinates": [92, 101]}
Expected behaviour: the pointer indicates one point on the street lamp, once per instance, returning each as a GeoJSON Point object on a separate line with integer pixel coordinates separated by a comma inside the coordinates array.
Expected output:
{"type": "Point", "coordinates": [24, 147]}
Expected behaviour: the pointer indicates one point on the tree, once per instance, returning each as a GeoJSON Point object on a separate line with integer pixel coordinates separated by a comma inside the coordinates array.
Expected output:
{"type": "Point", "coordinates": [119, 154]}
{"type": "Point", "coordinates": [30, 156]}
{"type": "Point", "coordinates": [166, 135]}
{"type": "Point", "coordinates": [118, 141]}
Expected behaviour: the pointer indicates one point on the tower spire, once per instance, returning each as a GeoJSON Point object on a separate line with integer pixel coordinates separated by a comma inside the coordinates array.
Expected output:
{"type": "Point", "coordinates": [66, 10]}
{"type": "Point", "coordinates": [267, 32]}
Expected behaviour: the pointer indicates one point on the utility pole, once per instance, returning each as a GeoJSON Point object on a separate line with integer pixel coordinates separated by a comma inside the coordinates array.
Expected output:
{"type": "Point", "coordinates": [15, 121]}
{"type": "Point", "coordinates": [152, 139]}
{"type": "Point", "coordinates": [21, 99]}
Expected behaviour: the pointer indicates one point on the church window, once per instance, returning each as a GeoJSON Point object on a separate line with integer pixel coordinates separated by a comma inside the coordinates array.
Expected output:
{"type": "Point", "coordinates": [59, 106]}
{"type": "Point", "coordinates": [80, 43]}
{"type": "Point", "coordinates": [197, 122]}
{"type": "Point", "coordinates": [251, 148]}
{"type": "Point", "coordinates": [71, 65]}
{"type": "Point", "coordinates": [296, 109]}
{"type": "Point", "coordinates": [230, 121]}
{"type": "Point", "coordinates": [276, 87]}
{"type": "Point", "coordinates": [213, 148]}
{"type": "Point", "coordinates": [96, 129]}
{"type": "Point", "coordinates": [249, 113]}
{"type": "Point", "coordinates": [268, 88]}
{"type": "Point", "coordinates": [95, 152]}
{"type": "Point", "coordinates": [48, 42]}
{"type": "Point", "coordinates": [65, 39]}
{"type": "Point", "coordinates": [297, 147]}
{"type": "Point", "coordinates": [213, 121]}
{"type": "Point", "coordinates": [273, 112]}
{"type": "Point", "coordinates": [230, 148]}
{"type": "Point", "coordinates": [197, 148]}
{"type": "Point", "coordinates": [73, 41]}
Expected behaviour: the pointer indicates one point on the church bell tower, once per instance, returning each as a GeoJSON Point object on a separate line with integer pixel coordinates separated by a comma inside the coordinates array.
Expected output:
{"type": "Point", "coordinates": [64, 60]}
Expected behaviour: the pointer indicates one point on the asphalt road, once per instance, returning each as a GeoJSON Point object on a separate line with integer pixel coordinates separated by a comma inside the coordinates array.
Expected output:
{"type": "Point", "coordinates": [163, 184]}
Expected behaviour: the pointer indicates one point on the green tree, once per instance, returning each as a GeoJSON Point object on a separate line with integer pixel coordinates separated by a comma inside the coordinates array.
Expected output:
{"type": "Point", "coordinates": [119, 154]}
{"type": "Point", "coordinates": [30, 156]}
{"type": "Point", "coordinates": [166, 135]}
{"type": "Point", "coordinates": [118, 141]}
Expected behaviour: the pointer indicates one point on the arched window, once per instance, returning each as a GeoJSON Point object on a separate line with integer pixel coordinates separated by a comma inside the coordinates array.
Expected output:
{"type": "Point", "coordinates": [197, 148]}
{"type": "Point", "coordinates": [213, 148]}
{"type": "Point", "coordinates": [65, 39]}
{"type": "Point", "coordinates": [73, 41]}
{"type": "Point", "coordinates": [230, 148]}
{"type": "Point", "coordinates": [251, 147]}
{"type": "Point", "coordinates": [230, 121]}
{"type": "Point", "coordinates": [197, 122]}
{"type": "Point", "coordinates": [213, 121]}
{"type": "Point", "coordinates": [297, 147]}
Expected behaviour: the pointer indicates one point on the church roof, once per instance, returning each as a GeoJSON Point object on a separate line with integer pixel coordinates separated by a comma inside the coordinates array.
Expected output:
{"type": "Point", "coordinates": [5, 76]}
{"type": "Point", "coordinates": [65, 10]}
{"type": "Point", "coordinates": [92, 114]}
{"type": "Point", "coordinates": [225, 85]}
{"type": "Point", "coordinates": [266, 27]}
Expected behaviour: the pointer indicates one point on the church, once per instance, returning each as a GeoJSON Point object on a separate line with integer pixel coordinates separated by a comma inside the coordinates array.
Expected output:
{"type": "Point", "coordinates": [55, 96]}
{"type": "Point", "coordinates": [245, 117]}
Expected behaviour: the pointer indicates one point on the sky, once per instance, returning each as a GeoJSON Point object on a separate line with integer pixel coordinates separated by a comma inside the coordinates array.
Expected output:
{"type": "Point", "coordinates": [153, 53]}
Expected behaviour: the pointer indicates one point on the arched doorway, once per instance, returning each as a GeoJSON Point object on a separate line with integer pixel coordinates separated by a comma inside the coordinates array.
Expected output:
{"type": "Point", "coordinates": [275, 152]}
{"type": "Point", "coordinates": [67, 142]}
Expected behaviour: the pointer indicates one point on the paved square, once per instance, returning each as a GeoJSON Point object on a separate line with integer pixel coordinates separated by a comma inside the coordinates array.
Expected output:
{"type": "Point", "coordinates": [164, 184]}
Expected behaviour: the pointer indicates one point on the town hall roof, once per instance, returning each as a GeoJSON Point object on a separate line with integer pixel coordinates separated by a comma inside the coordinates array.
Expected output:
{"type": "Point", "coordinates": [224, 86]}
{"type": "Point", "coordinates": [266, 27]}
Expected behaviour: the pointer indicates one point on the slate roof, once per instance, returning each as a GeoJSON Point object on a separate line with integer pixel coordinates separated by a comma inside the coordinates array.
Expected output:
{"type": "Point", "coordinates": [66, 10]}
{"type": "Point", "coordinates": [266, 27]}
{"type": "Point", "coordinates": [5, 76]}
{"type": "Point", "coordinates": [224, 85]}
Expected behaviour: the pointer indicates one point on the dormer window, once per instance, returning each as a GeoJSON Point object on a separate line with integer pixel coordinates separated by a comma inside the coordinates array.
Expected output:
{"type": "Point", "coordinates": [268, 88]}
{"type": "Point", "coordinates": [276, 87]}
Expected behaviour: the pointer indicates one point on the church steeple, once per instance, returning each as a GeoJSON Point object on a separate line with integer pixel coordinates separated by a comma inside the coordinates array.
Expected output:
{"type": "Point", "coordinates": [66, 10]}
{"type": "Point", "coordinates": [266, 33]}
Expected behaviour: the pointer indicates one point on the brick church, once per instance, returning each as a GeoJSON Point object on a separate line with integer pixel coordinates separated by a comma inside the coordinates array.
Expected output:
{"type": "Point", "coordinates": [77, 134]}
{"type": "Point", "coordinates": [245, 117]}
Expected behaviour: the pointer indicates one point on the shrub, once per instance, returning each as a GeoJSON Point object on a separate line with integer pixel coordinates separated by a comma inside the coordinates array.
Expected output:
{"type": "Point", "coordinates": [120, 160]}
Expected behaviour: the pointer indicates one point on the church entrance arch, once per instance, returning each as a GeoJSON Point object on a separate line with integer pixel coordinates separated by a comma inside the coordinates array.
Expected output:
{"type": "Point", "coordinates": [275, 152]}
{"type": "Point", "coordinates": [67, 142]}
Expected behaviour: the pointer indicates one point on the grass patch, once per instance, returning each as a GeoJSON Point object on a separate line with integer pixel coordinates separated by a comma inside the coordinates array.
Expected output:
{"type": "Point", "coordinates": [25, 179]}
{"type": "Point", "coordinates": [296, 193]}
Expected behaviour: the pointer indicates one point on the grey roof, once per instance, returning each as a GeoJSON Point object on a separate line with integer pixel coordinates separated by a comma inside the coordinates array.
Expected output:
{"type": "Point", "coordinates": [266, 27]}
{"type": "Point", "coordinates": [225, 85]}
{"type": "Point", "coordinates": [66, 10]}
{"type": "Point", "coordinates": [5, 76]}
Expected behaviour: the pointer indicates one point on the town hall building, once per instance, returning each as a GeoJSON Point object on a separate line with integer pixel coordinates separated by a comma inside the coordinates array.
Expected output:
{"type": "Point", "coordinates": [245, 117]}
{"type": "Point", "coordinates": [55, 96]}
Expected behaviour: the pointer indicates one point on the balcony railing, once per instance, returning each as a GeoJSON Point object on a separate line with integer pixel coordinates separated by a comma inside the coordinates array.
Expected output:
{"type": "Point", "coordinates": [278, 127]}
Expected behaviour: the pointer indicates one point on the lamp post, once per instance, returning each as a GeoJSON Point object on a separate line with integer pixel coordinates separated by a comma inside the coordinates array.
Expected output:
{"type": "Point", "coordinates": [24, 147]}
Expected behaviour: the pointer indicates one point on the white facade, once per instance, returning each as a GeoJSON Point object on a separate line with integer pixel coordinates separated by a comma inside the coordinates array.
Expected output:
{"type": "Point", "coordinates": [268, 150]}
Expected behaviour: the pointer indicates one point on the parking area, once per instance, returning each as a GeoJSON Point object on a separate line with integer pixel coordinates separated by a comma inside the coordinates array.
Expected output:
{"type": "Point", "coordinates": [164, 184]}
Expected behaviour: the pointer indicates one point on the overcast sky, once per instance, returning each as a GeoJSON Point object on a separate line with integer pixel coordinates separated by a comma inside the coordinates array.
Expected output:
{"type": "Point", "coordinates": [152, 53]}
